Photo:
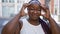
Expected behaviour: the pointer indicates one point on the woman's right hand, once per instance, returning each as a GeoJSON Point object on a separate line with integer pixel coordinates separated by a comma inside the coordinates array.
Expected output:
{"type": "Point", "coordinates": [22, 13]}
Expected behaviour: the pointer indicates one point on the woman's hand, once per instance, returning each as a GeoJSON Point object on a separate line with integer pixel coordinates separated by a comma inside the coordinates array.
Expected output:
{"type": "Point", "coordinates": [22, 13]}
{"type": "Point", "coordinates": [47, 12]}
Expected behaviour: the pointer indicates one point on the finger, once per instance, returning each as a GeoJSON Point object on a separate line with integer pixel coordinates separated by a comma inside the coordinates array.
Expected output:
{"type": "Point", "coordinates": [44, 7]}
{"type": "Point", "coordinates": [26, 4]}
{"type": "Point", "coordinates": [48, 12]}
{"type": "Point", "coordinates": [44, 16]}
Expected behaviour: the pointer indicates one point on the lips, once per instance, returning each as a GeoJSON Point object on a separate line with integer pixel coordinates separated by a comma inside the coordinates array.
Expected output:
{"type": "Point", "coordinates": [35, 16]}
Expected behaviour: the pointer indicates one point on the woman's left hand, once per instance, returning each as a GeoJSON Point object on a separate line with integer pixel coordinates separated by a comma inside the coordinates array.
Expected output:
{"type": "Point", "coordinates": [47, 12]}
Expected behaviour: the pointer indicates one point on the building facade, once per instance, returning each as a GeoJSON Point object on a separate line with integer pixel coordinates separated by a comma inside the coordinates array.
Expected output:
{"type": "Point", "coordinates": [9, 8]}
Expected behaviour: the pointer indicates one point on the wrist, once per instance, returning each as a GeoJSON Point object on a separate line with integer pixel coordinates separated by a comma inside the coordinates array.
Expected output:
{"type": "Point", "coordinates": [50, 18]}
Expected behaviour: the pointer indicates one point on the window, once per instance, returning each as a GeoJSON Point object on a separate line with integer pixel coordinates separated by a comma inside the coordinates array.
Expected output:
{"type": "Point", "coordinates": [47, 3]}
{"type": "Point", "coordinates": [17, 1]}
{"type": "Point", "coordinates": [11, 1]}
{"type": "Point", "coordinates": [4, 0]}
{"type": "Point", "coordinates": [18, 8]}
{"type": "Point", "coordinates": [8, 11]}
{"type": "Point", "coordinates": [20, 1]}
{"type": "Point", "coordinates": [59, 18]}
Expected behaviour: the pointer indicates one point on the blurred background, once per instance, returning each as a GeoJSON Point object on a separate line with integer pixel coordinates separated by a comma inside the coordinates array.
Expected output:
{"type": "Point", "coordinates": [9, 8]}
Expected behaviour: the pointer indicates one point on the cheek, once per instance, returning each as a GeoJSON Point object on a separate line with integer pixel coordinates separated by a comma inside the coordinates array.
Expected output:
{"type": "Point", "coordinates": [39, 13]}
{"type": "Point", "coordinates": [29, 13]}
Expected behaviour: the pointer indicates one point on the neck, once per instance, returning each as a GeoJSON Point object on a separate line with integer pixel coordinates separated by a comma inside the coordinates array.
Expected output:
{"type": "Point", "coordinates": [34, 22]}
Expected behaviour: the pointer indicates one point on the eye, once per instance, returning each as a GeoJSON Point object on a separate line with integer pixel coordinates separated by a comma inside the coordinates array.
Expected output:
{"type": "Point", "coordinates": [31, 9]}
{"type": "Point", "coordinates": [39, 10]}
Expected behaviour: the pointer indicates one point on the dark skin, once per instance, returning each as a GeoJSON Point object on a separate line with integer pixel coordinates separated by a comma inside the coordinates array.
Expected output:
{"type": "Point", "coordinates": [14, 26]}
{"type": "Point", "coordinates": [34, 12]}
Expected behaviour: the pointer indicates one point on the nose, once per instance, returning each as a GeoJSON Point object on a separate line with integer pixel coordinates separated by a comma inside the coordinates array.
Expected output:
{"type": "Point", "coordinates": [35, 11]}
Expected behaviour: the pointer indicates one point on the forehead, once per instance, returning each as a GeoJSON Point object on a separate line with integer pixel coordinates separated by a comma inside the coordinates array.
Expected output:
{"type": "Point", "coordinates": [34, 6]}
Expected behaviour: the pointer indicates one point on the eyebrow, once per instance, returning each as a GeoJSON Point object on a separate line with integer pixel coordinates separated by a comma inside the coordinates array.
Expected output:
{"type": "Point", "coordinates": [34, 9]}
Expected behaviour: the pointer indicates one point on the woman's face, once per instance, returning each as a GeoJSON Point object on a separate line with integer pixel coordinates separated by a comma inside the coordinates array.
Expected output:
{"type": "Point", "coordinates": [34, 11]}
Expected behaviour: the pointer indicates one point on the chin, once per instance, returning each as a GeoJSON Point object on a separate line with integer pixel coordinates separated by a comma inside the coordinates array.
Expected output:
{"type": "Point", "coordinates": [35, 18]}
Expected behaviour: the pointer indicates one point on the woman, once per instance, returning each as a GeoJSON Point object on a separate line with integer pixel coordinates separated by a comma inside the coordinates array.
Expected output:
{"type": "Point", "coordinates": [32, 25]}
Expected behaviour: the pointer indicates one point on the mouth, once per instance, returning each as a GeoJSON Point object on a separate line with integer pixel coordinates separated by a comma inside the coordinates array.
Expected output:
{"type": "Point", "coordinates": [34, 16]}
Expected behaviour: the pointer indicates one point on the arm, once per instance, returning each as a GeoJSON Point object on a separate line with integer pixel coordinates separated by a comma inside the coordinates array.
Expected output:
{"type": "Point", "coordinates": [14, 27]}
{"type": "Point", "coordinates": [18, 29]}
{"type": "Point", "coordinates": [11, 26]}
{"type": "Point", "coordinates": [53, 26]}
